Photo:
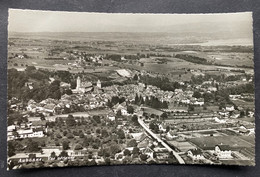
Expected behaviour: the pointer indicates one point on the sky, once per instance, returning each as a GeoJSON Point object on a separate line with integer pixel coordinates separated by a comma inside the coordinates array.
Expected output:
{"type": "Point", "coordinates": [61, 21]}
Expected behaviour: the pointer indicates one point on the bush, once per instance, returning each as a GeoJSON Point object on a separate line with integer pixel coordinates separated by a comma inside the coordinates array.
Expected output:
{"type": "Point", "coordinates": [58, 136]}
{"type": "Point", "coordinates": [78, 147]}
{"type": "Point", "coordinates": [70, 136]}
{"type": "Point", "coordinates": [143, 157]}
{"type": "Point", "coordinates": [81, 135]}
{"type": "Point", "coordinates": [127, 152]}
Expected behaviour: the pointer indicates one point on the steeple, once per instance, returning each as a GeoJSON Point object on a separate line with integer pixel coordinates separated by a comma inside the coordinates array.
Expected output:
{"type": "Point", "coordinates": [99, 84]}
{"type": "Point", "coordinates": [78, 83]}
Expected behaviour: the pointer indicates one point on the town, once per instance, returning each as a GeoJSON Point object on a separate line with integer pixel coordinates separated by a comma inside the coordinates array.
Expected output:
{"type": "Point", "coordinates": [85, 103]}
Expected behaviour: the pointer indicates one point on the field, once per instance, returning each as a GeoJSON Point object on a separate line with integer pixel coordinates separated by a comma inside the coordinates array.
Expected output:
{"type": "Point", "coordinates": [38, 47]}
{"type": "Point", "coordinates": [235, 142]}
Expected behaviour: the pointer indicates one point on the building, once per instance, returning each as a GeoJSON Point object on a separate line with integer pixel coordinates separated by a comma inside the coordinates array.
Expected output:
{"type": "Point", "coordinates": [230, 108]}
{"type": "Point", "coordinates": [30, 133]}
{"type": "Point", "coordinates": [111, 116]}
{"type": "Point", "coordinates": [82, 87]}
{"type": "Point", "coordinates": [195, 154]}
{"type": "Point", "coordinates": [223, 151]}
{"type": "Point", "coordinates": [99, 84]}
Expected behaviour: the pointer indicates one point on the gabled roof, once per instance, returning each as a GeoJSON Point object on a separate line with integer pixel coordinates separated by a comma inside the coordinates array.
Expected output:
{"type": "Point", "coordinates": [223, 147]}
{"type": "Point", "coordinates": [141, 137]}
{"type": "Point", "coordinates": [86, 84]}
{"type": "Point", "coordinates": [50, 106]}
{"type": "Point", "coordinates": [39, 123]}
{"type": "Point", "coordinates": [143, 144]}
{"type": "Point", "coordinates": [196, 151]}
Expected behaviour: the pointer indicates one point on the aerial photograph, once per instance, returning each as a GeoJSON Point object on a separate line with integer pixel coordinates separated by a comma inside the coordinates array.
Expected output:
{"type": "Point", "coordinates": [88, 89]}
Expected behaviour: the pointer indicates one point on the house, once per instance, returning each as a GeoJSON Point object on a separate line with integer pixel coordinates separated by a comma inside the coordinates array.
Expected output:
{"type": "Point", "coordinates": [219, 120]}
{"type": "Point", "coordinates": [247, 129]}
{"type": "Point", "coordinates": [177, 91]}
{"type": "Point", "coordinates": [121, 107]}
{"type": "Point", "coordinates": [199, 102]}
{"type": "Point", "coordinates": [31, 107]}
{"type": "Point", "coordinates": [223, 113]}
{"type": "Point", "coordinates": [235, 114]}
{"type": "Point", "coordinates": [111, 116]}
{"type": "Point", "coordinates": [49, 108]}
{"type": "Point", "coordinates": [29, 85]}
{"type": "Point", "coordinates": [38, 124]}
{"type": "Point", "coordinates": [195, 154]}
{"type": "Point", "coordinates": [162, 127]}
{"type": "Point", "coordinates": [223, 151]}
{"type": "Point", "coordinates": [11, 128]}
{"type": "Point", "coordinates": [65, 85]}
{"type": "Point", "coordinates": [212, 89]}
{"type": "Point", "coordinates": [230, 108]}
{"type": "Point", "coordinates": [171, 135]}
{"type": "Point", "coordinates": [185, 101]}
{"type": "Point", "coordinates": [30, 133]}
{"type": "Point", "coordinates": [234, 97]}
{"type": "Point", "coordinates": [148, 151]}
{"type": "Point", "coordinates": [243, 131]}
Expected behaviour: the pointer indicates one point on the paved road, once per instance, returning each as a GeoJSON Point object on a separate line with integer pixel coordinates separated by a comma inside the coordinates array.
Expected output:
{"type": "Point", "coordinates": [177, 156]}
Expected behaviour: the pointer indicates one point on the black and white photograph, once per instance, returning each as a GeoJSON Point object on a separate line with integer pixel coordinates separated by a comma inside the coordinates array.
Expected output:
{"type": "Point", "coordinates": [88, 88]}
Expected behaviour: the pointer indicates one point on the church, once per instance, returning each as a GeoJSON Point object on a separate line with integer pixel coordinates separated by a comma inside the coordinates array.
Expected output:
{"type": "Point", "coordinates": [84, 87]}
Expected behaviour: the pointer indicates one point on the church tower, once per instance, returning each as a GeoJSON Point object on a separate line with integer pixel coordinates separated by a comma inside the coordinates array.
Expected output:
{"type": "Point", "coordinates": [78, 83]}
{"type": "Point", "coordinates": [99, 84]}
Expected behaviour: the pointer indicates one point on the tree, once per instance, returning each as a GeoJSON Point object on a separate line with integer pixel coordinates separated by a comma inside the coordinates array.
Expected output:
{"type": "Point", "coordinates": [191, 108]}
{"type": "Point", "coordinates": [143, 157]}
{"type": "Point", "coordinates": [78, 147]}
{"type": "Point", "coordinates": [54, 90]}
{"type": "Point", "coordinates": [127, 152]}
{"type": "Point", "coordinates": [242, 113]}
{"type": "Point", "coordinates": [208, 97]}
{"type": "Point", "coordinates": [92, 162]}
{"type": "Point", "coordinates": [97, 119]}
{"type": "Point", "coordinates": [98, 131]}
{"type": "Point", "coordinates": [81, 135]}
{"type": "Point", "coordinates": [119, 113]}
{"type": "Point", "coordinates": [11, 149]}
{"type": "Point", "coordinates": [136, 99]}
{"type": "Point", "coordinates": [32, 146]}
{"type": "Point", "coordinates": [65, 133]}
{"type": "Point", "coordinates": [104, 133]}
{"type": "Point", "coordinates": [132, 143]}
{"type": "Point", "coordinates": [107, 161]}
{"type": "Point", "coordinates": [136, 151]}
{"type": "Point", "coordinates": [115, 149]}
{"type": "Point", "coordinates": [197, 94]}
{"type": "Point", "coordinates": [154, 127]}
{"type": "Point", "coordinates": [53, 155]}
{"type": "Point", "coordinates": [42, 116]}
{"type": "Point", "coordinates": [121, 134]}
{"type": "Point", "coordinates": [167, 128]}
{"type": "Point", "coordinates": [164, 115]}
{"type": "Point", "coordinates": [70, 136]}
{"type": "Point", "coordinates": [63, 154]}
{"type": "Point", "coordinates": [135, 119]}
{"type": "Point", "coordinates": [130, 109]}
{"type": "Point", "coordinates": [65, 145]}
{"type": "Point", "coordinates": [58, 136]}
{"type": "Point", "coordinates": [135, 77]}
{"type": "Point", "coordinates": [30, 68]}
{"type": "Point", "coordinates": [70, 121]}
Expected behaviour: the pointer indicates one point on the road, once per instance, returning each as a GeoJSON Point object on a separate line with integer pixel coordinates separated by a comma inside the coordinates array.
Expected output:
{"type": "Point", "coordinates": [177, 156]}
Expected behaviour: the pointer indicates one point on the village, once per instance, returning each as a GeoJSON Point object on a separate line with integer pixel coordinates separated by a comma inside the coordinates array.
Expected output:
{"type": "Point", "coordinates": [133, 122]}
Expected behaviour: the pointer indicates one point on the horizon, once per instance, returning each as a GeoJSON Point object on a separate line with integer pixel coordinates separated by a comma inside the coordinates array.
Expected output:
{"type": "Point", "coordinates": [37, 21]}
